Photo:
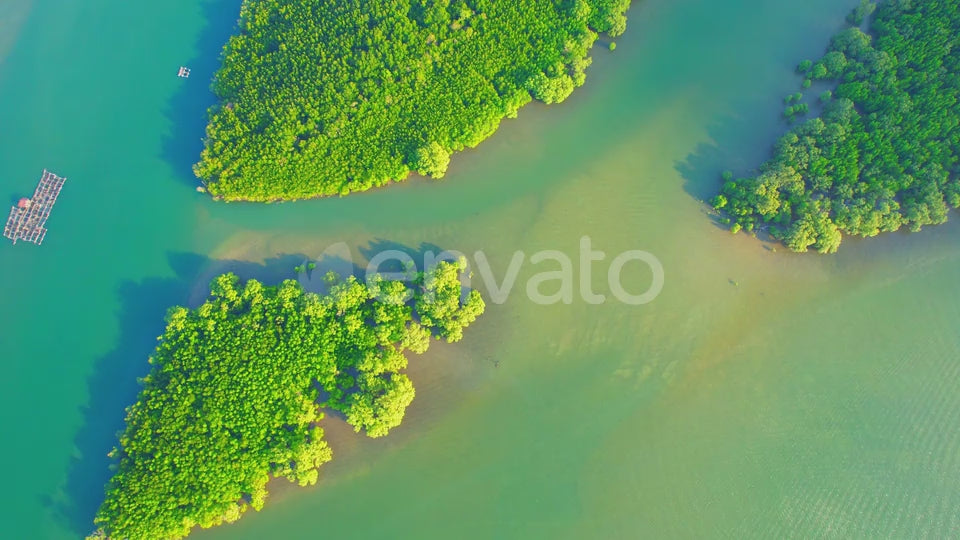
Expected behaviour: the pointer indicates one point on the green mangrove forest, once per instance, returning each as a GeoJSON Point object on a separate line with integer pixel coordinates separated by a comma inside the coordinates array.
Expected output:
{"type": "Point", "coordinates": [883, 154]}
{"type": "Point", "coordinates": [237, 388]}
{"type": "Point", "coordinates": [329, 97]}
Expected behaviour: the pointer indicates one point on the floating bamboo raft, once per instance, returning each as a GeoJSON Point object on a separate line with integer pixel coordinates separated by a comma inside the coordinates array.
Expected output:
{"type": "Point", "coordinates": [29, 217]}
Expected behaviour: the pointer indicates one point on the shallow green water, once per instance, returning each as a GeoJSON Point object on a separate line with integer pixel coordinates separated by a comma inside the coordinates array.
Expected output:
{"type": "Point", "coordinates": [818, 397]}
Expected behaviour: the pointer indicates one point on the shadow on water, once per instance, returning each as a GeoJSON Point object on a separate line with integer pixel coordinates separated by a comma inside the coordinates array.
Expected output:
{"type": "Point", "coordinates": [113, 385]}
{"type": "Point", "coordinates": [744, 138]}
{"type": "Point", "coordinates": [733, 142]}
{"type": "Point", "coordinates": [271, 272]}
{"type": "Point", "coordinates": [188, 109]}
{"type": "Point", "coordinates": [393, 255]}
{"type": "Point", "coordinates": [739, 141]}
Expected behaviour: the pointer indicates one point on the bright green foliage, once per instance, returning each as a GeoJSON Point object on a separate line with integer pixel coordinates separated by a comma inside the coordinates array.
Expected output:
{"type": "Point", "coordinates": [884, 154]}
{"type": "Point", "coordinates": [550, 89]}
{"type": "Point", "coordinates": [328, 97]}
{"type": "Point", "coordinates": [815, 230]}
{"type": "Point", "coordinates": [432, 160]}
{"type": "Point", "coordinates": [233, 398]}
{"type": "Point", "coordinates": [380, 403]}
{"type": "Point", "coordinates": [439, 304]}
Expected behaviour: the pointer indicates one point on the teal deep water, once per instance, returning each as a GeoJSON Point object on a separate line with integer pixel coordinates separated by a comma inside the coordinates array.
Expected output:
{"type": "Point", "coordinates": [817, 397]}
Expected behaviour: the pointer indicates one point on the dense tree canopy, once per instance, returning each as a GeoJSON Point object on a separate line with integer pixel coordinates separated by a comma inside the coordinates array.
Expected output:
{"type": "Point", "coordinates": [238, 384]}
{"type": "Point", "coordinates": [885, 153]}
{"type": "Point", "coordinates": [328, 97]}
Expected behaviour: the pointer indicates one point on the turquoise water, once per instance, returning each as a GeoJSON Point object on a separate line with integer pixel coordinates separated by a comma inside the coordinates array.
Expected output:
{"type": "Point", "coordinates": [815, 398]}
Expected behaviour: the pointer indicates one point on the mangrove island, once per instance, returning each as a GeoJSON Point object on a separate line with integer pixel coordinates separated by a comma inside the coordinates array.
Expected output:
{"type": "Point", "coordinates": [885, 152]}
{"type": "Point", "coordinates": [237, 388]}
{"type": "Point", "coordinates": [320, 98]}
